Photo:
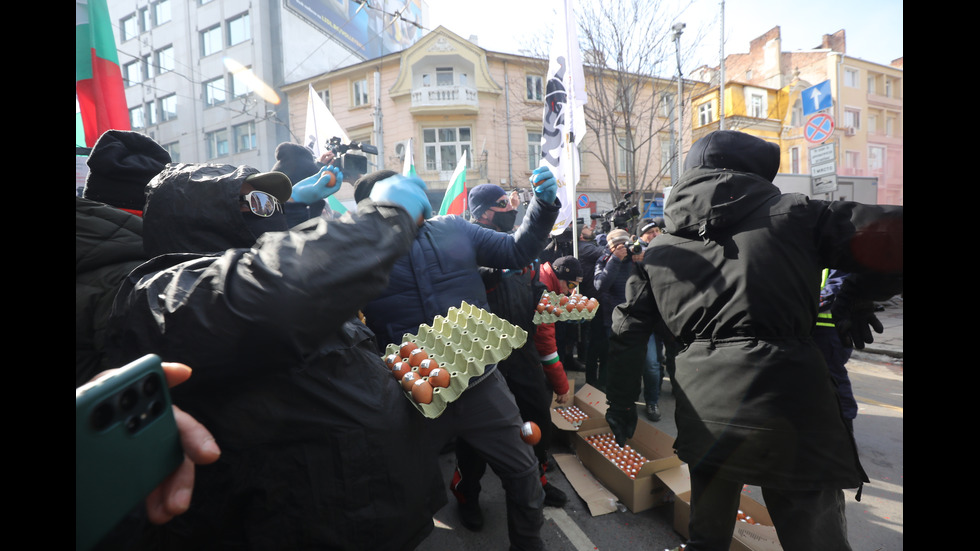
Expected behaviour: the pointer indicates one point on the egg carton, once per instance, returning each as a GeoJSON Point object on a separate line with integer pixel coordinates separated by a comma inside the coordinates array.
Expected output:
{"type": "Point", "coordinates": [463, 342]}
{"type": "Point", "coordinates": [564, 315]}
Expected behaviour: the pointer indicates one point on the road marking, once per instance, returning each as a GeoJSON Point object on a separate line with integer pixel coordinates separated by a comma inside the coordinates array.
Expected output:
{"type": "Point", "coordinates": [575, 535]}
{"type": "Point", "coordinates": [880, 404]}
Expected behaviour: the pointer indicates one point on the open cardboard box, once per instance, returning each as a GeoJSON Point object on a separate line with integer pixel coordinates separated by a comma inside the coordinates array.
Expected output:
{"type": "Point", "coordinates": [745, 537]}
{"type": "Point", "coordinates": [588, 399]}
{"type": "Point", "coordinates": [637, 494]}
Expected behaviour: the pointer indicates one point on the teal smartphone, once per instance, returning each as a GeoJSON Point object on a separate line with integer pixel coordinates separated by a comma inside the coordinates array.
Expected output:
{"type": "Point", "coordinates": [126, 443]}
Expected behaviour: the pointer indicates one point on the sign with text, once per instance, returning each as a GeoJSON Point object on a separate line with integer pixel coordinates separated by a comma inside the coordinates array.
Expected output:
{"type": "Point", "coordinates": [823, 168]}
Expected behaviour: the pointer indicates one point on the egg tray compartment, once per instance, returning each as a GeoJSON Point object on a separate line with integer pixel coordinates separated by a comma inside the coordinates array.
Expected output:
{"type": "Point", "coordinates": [463, 342]}
{"type": "Point", "coordinates": [554, 299]}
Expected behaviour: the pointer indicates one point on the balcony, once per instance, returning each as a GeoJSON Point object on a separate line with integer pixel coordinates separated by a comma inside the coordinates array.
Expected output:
{"type": "Point", "coordinates": [445, 99]}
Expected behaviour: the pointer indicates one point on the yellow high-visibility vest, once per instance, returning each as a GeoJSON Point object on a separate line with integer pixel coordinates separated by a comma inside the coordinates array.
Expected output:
{"type": "Point", "coordinates": [825, 319]}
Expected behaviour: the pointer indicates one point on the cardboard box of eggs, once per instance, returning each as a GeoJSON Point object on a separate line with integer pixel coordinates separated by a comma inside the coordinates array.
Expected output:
{"type": "Point", "coordinates": [554, 307]}
{"type": "Point", "coordinates": [434, 367]}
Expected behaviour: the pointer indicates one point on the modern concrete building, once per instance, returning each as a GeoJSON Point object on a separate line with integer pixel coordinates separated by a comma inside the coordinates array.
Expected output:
{"type": "Point", "coordinates": [763, 96]}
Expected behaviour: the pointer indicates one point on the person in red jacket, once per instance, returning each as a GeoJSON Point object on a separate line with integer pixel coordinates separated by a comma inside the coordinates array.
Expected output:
{"type": "Point", "coordinates": [562, 277]}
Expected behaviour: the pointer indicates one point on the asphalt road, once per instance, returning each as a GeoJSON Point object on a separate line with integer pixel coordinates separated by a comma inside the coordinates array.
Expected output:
{"type": "Point", "coordinates": [874, 524]}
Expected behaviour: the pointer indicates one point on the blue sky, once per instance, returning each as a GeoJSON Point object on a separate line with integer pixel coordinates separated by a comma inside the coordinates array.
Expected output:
{"type": "Point", "coordinates": [874, 28]}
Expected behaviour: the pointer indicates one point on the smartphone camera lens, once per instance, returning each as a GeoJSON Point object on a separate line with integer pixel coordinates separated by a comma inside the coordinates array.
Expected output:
{"type": "Point", "coordinates": [128, 399]}
{"type": "Point", "coordinates": [154, 409]}
{"type": "Point", "coordinates": [101, 417]}
{"type": "Point", "coordinates": [133, 423]}
{"type": "Point", "coordinates": [151, 385]}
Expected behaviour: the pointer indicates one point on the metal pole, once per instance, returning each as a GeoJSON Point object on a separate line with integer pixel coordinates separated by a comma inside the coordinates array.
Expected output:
{"type": "Point", "coordinates": [678, 29]}
{"type": "Point", "coordinates": [721, 75]}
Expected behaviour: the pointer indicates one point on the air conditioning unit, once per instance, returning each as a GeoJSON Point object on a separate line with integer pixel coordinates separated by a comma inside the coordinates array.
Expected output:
{"type": "Point", "coordinates": [401, 149]}
{"type": "Point", "coordinates": [849, 130]}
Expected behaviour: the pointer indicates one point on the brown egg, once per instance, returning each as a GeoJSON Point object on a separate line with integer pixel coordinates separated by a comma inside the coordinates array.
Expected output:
{"type": "Point", "coordinates": [541, 307]}
{"type": "Point", "coordinates": [563, 300]}
{"type": "Point", "coordinates": [591, 304]}
{"type": "Point", "coordinates": [409, 379]}
{"type": "Point", "coordinates": [426, 366]}
{"type": "Point", "coordinates": [422, 392]}
{"type": "Point", "coordinates": [390, 360]}
{"type": "Point", "coordinates": [570, 306]}
{"type": "Point", "coordinates": [417, 356]}
{"type": "Point", "coordinates": [405, 350]}
{"type": "Point", "coordinates": [400, 369]}
{"type": "Point", "coordinates": [530, 432]}
{"type": "Point", "coordinates": [439, 377]}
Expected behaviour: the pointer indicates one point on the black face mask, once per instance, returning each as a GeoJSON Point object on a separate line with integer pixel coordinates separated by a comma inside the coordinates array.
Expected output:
{"type": "Point", "coordinates": [259, 225]}
{"type": "Point", "coordinates": [504, 220]}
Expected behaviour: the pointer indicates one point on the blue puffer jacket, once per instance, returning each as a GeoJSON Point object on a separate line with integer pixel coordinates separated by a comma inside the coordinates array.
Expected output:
{"type": "Point", "coordinates": [442, 270]}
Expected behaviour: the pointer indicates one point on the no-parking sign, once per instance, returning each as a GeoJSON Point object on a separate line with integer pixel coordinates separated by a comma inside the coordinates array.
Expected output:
{"type": "Point", "coordinates": [818, 128]}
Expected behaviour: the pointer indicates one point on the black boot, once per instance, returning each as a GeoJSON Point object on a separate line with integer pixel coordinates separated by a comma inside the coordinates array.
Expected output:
{"type": "Point", "coordinates": [553, 497]}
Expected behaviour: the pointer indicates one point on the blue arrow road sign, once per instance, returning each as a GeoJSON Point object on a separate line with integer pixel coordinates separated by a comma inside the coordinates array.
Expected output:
{"type": "Point", "coordinates": [817, 98]}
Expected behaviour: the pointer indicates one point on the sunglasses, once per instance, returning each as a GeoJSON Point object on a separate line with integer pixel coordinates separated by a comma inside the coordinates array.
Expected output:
{"type": "Point", "coordinates": [261, 203]}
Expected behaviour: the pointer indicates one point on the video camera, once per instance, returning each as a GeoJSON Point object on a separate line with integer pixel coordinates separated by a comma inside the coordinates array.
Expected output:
{"type": "Point", "coordinates": [353, 166]}
{"type": "Point", "coordinates": [620, 216]}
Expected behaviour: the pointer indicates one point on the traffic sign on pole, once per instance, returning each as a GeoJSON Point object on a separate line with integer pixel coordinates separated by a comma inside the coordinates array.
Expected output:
{"type": "Point", "coordinates": [818, 128]}
{"type": "Point", "coordinates": [817, 98]}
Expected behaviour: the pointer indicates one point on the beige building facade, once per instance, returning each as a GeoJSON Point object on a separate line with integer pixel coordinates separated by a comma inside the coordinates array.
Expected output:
{"type": "Point", "coordinates": [445, 96]}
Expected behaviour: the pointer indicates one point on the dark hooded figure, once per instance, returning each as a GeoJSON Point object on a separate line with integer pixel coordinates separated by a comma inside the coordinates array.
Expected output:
{"type": "Point", "coordinates": [319, 444]}
{"type": "Point", "coordinates": [735, 280]}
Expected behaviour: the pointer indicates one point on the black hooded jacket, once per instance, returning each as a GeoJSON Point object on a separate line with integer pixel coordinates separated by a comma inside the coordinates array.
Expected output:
{"type": "Point", "coordinates": [318, 440]}
{"type": "Point", "coordinates": [735, 280]}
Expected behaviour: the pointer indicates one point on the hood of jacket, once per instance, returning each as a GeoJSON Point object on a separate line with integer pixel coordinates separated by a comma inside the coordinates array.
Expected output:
{"type": "Point", "coordinates": [727, 176]}
{"type": "Point", "coordinates": [194, 208]}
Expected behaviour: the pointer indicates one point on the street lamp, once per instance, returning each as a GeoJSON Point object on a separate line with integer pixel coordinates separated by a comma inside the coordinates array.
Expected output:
{"type": "Point", "coordinates": [678, 29]}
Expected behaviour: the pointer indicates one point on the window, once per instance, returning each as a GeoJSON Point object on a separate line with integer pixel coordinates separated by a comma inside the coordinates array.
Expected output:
{"type": "Point", "coordinates": [888, 88]}
{"type": "Point", "coordinates": [164, 59]}
{"type": "Point", "coordinates": [244, 136]}
{"type": "Point", "coordinates": [706, 113]}
{"type": "Point", "coordinates": [796, 118]}
{"type": "Point", "coordinates": [872, 123]}
{"type": "Point", "coordinates": [147, 66]}
{"type": "Point", "coordinates": [174, 149]}
{"type": "Point", "coordinates": [794, 160]}
{"type": "Point", "coordinates": [851, 78]}
{"type": "Point", "coordinates": [239, 83]}
{"type": "Point", "coordinates": [535, 88]}
{"type": "Point", "coordinates": [426, 79]}
{"type": "Point", "coordinates": [360, 93]}
{"type": "Point", "coordinates": [144, 19]}
{"type": "Point", "coordinates": [217, 143]}
{"type": "Point", "coordinates": [666, 152]}
{"type": "Point", "coordinates": [132, 73]}
{"type": "Point", "coordinates": [444, 146]}
{"type": "Point", "coordinates": [533, 150]}
{"type": "Point", "coordinates": [137, 117]}
{"type": "Point", "coordinates": [876, 158]}
{"type": "Point", "coordinates": [871, 83]}
{"type": "Point", "coordinates": [214, 91]}
{"type": "Point", "coordinates": [129, 27]}
{"type": "Point", "coordinates": [239, 29]}
{"type": "Point", "coordinates": [756, 108]}
{"type": "Point", "coordinates": [890, 126]}
{"type": "Point", "coordinates": [211, 40]}
{"type": "Point", "coordinates": [624, 157]}
{"type": "Point", "coordinates": [168, 107]}
{"type": "Point", "coordinates": [161, 12]}
{"type": "Point", "coordinates": [151, 114]}
{"type": "Point", "coordinates": [325, 96]}
{"type": "Point", "coordinates": [852, 160]}
{"type": "Point", "coordinates": [852, 118]}
{"type": "Point", "coordinates": [444, 76]}
{"type": "Point", "coordinates": [667, 105]}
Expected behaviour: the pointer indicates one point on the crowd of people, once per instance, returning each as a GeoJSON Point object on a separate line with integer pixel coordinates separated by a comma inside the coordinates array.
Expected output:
{"type": "Point", "coordinates": [282, 313]}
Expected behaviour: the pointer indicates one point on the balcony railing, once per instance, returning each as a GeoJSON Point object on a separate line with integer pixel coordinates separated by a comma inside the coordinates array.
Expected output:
{"type": "Point", "coordinates": [443, 96]}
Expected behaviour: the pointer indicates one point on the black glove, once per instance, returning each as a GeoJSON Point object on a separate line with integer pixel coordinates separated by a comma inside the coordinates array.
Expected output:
{"type": "Point", "coordinates": [622, 421]}
{"type": "Point", "coordinates": [855, 322]}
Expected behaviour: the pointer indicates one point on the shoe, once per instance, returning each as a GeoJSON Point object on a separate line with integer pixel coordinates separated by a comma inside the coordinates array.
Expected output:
{"type": "Point", "coordinates": [471, 516]}
{"type": "Point", "coordinates": [653, 412]}
{"type": "Point", "coordinates": [553, 497]}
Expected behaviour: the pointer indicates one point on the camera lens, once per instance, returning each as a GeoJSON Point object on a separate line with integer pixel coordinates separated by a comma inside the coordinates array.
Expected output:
{"type": "Point", "coordinates": [128, 399]}
{"type": "Point", "coordinates": [155, 409]}
{"type": "Point", "coordinates": [133, 423]}
{"type": "Point", "coordinates": [151, 385]}
{"type": "Point", "coordinates": [101, 416]}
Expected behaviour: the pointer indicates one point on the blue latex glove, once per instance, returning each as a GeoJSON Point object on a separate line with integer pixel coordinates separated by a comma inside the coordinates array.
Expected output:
{"type": "Point", "coordinates": [545, 185]}
{"type": "Point", "coordinates": [404, 191]}
{"type": "Point", "coordinates": [316, 187]}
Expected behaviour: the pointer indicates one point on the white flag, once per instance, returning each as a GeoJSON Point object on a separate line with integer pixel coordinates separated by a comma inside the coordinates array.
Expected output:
{"type": "Point", "coordinates": [564, 114]}
{"type": "Point", "coordinates": [320, 125]}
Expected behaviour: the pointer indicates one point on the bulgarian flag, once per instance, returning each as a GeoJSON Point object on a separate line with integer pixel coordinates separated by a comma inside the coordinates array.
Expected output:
{"type": "Point", "coordinates": [98, 79]}
{"type": "Point", "coordinates": [455, 200]}
{"type": "Point", "coordinates": [408, 168]}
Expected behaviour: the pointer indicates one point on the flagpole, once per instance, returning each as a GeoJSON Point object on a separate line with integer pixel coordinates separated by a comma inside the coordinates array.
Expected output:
{"type": "Point", "coordinates": [571, 137]}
